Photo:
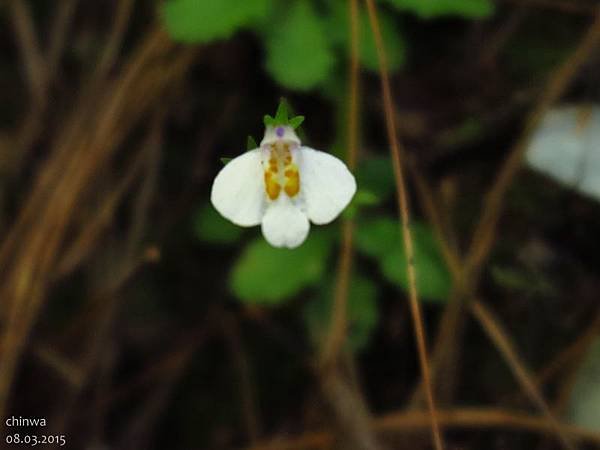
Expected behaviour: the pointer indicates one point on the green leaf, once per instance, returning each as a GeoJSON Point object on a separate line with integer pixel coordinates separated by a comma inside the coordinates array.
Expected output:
{"type": "Point", "coordinates": [210, 226]}
{"type": "Point", "coordinates": [428, 9]}
{"type": "Point", "coordinates": [363, 313]}
{"type": "Point", "coordinates": [199, 21]}
{"type": "Point", "coordinates": [267, 275]}
{"type": "Point", "coordinates": [376, 175]}
{"type": "Point", "coordinates": [376, 237]}
{"type": "Point", "coordinates": [299, 54]}
{"type": "Point", "coordinates": [393, 41]}
{"type": "Point", "coordinates": [362, 199]}
{"type": "Point", "coordinates": [381, 238]}
{"type": "Point", "coordinates": [584, 404]}
{"type": "Point", "coordinates": [225, 161]}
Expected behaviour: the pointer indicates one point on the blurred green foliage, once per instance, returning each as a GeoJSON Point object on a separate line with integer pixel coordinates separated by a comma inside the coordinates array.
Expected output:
{"type": "Point", "coordinates": [381, 239]}
{"type": "Point", "coordinates": [197, 21]}
{"type": "Point", "coordinates": [306, 43]}
{"type": "Point", "coordinates": [305, 40]}
{"type": "Point", "coordinates": [210, 226]}
{"type": "Point", "coordinates": [339, 33]}
{"type": "Point", "coordinates": [299, 53]}
{"type": "Point", "coordinates": [362, 312]}
{"type": "Point", "coordinates": [377, 176]}
{"type": "Point", "coordinates": [267, 275]}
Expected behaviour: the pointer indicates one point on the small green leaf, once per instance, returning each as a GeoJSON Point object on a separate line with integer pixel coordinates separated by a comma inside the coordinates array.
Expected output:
{"type": "Point", "coordinates": [210, 226]}
{"type": "Point", "coordinates": [381, 238]}
{"type": "Point", "coordinates": [428, 9]}
{"type": "Point", "coordinates": [299, 54]}
{"type": "Point", "coordinates": [225, 160]}
{"type": "Point", "coordinates": [295, 122]}
{"type": "Point", "coordinates": [251, 143]}
{"type": "Point", "coordinates": [362, 313]}
{"type": "Point", "coordinates": [196, 21]}
{"type": "Point", "coordinates": [267, 275]}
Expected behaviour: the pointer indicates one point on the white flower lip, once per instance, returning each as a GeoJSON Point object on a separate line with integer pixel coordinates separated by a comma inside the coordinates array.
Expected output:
{"type": "Point", "coordinates": [283, 186]}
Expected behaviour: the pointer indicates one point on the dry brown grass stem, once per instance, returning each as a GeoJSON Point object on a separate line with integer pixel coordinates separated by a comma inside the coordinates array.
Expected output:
{"type": "Point", "coordinates": [86, 144]}
{"type": "Point", "coordinates": [348, 406]}
{"type": "Point", "coordinates": [491, 326]}
{"type": "Point", "coordinates": [489, 323]}
{"type": "Point", "coordinates": [405, 222]}
{"type": "Point", "coordinates": [484, 234]}
{"type": "Point", "coordinates": [27, 40]}
{"type": "Point", "coordinates": [466, 274]}
{"type": "Point", "coordinates": [418, 422]}
{"type": "Point", "coordinates": [337, 333]}
{"type": "Point", "coordinates": [65, 10]}
{"type": "Point", "coordinates": [115, 38]}
{"type": "Point", "coordinates": [246, 386]}
{"type": "Point", "coordinates": [571, 353]}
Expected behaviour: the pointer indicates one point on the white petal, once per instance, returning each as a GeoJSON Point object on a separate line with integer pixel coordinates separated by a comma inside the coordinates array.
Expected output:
{"type": "Point", "coordinates": [284, 224]}
{"type": "Point", "coordinates": [326, 185]}
{"type": "Point", "coordinates": [238, 192]}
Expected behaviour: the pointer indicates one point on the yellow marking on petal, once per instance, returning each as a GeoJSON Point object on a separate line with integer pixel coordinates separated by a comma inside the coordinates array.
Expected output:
{"type": "Point", "coordinates": [292, 180]}
{"type": "Point", "coordinates": [272, 187]}
{"type": "Point", "coordinates": [280, 160]}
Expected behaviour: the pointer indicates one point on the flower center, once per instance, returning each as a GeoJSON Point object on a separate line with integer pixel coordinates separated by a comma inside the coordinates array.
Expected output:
{"type": "Point", "coordinates": [281, 172]}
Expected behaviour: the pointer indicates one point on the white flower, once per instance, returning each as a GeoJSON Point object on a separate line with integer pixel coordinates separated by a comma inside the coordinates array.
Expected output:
{"type": "Point", "coordinates": [283, 185]}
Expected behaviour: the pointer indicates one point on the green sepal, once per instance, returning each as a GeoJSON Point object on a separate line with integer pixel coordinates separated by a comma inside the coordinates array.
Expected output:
{"type": "Point", "coordinates": [251, 143]}
{"type": "Point", "coordinates": [225, 160]}
{"type": "Point", "coordinates": [295, 122]}
{"type": "Point", "coordinates": [282, 117]}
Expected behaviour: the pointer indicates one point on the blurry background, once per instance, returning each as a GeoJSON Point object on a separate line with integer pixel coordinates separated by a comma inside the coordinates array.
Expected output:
{"type": "Point", "coordinates": [133, 316]}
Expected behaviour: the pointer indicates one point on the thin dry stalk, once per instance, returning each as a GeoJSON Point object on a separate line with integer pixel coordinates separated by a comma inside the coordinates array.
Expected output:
{"type": "Point", "coordinates": [500, 338]}
{"type": "Point", "coordinates": [405, 220]}
{"type": "Point", "coordinates": [58, 36]}
{"type": "Point", "coordinates": [572, 353]}
{"type": "Point", "coordinates": [337, 333]}
{"type": "Point", "coordinates": [250, 411]}
{"type": "Point", "coordinates": [419, 422]}
{"type": "Point", "coordinates": [27, 40]}
{"type": "Point", "coordinates": [492, 326]}
{"type": "Point", "coordinates": [115, 39]}
{"type": "Point", "coordinates": [29, 254]}
{"type": "Point", "coordinates": [466, 274]}
{"type": "Point", "coordinates": [345, 399]}
{"type": "Point", "coordinates": [484, 234]}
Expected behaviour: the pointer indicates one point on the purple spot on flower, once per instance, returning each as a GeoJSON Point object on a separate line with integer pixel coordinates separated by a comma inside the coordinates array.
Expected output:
{"type": "Point", "coordinates": [280, 131]}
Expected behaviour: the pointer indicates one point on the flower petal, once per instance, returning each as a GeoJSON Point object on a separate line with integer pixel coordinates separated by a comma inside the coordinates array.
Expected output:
{"type": "Point", "coordinates": [326, 185]}
{"type": "Point", "coordinates": [238, 192]}
{"type": "Point", "coordinates": [284, 224]}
